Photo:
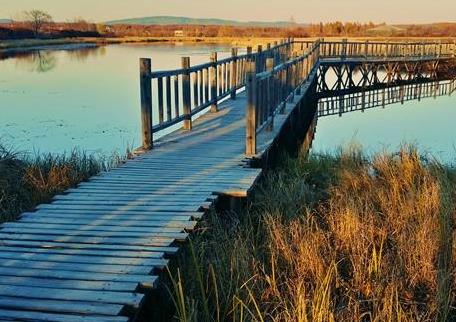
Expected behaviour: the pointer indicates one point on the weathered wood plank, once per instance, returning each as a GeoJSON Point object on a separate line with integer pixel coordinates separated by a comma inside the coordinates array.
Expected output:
{"type": "Point", "coordinates": [30, 316]}
{"type": "Point", "coordinates": [59, 306]}
{"type": "Point", "coordinates": [131, 299]}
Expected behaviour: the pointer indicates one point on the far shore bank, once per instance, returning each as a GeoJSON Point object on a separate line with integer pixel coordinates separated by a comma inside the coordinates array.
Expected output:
{"type": "Point", "coordinates": [37, 44]}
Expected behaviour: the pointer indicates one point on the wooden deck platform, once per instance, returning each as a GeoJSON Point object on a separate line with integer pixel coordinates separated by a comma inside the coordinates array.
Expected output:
{"type": "Point", "coordinates": [91, 254]}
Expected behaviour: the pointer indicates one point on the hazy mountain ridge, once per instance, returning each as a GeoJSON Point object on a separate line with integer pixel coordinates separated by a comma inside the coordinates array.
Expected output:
{"type": "Point", "coordinates": [171, 20]}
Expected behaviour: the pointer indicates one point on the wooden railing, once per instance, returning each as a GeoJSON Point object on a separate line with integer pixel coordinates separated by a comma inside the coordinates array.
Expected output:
{"type": "Point", "coordinates": [269, 91]}
{"type": "Point", "coordinates": [273, 77]}
{"type": "Point", "coordinates": [175, 96]}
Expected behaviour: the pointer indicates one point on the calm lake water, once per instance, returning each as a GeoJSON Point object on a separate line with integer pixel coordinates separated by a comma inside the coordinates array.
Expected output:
{"type": "Point", "coordinates": [56, 100]}
{"type": "Point", "coordinates": [429, 124]}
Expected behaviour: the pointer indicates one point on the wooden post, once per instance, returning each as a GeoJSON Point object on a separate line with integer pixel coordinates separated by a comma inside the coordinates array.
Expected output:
{"type": "Point", "coordinates": [344, 48]}
{"type": "Point", "coordinates": [213, 82]}
{"type": "Point", "coordinates": [270, 93]}
{"type": "Point", "coordinates": [234, 71]}
{"type": "Point", "coordinates": [366, 48]}
{"type": "Point", "coordinates": [146, 102]}
{"type": "Point", "coordinates": [186, 94]}
{"type": "Point", "coordinates": [259, 67]}
{"type": "Point", "coordinates": [250, 135]}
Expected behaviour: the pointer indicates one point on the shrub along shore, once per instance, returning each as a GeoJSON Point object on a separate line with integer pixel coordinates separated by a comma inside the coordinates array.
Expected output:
{"type": "Point", "coordinates": [342, 237]}
{"type": "Point", "coordinates": [28, 181]}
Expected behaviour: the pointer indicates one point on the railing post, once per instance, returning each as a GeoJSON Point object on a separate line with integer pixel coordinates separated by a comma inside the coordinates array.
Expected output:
{"type": "Point", "coordinates": [186, 93]}
{"type": "Point", "coordinates": [233, 73]}
{"type": "Point", "coordinates": [213, 82]}
{"type": "Point", "coordinates": [250, 135]}
{"type": "Point", "coordinates": [271, 91]}
{"type": "Point", "coordinates": [146, 102]}
{"type": "Point", "coordinates": [366, 48]}
{"type": "Point", "coordinates": [344, 48]}
{"type": "Point", "coordinates": [259, 59]}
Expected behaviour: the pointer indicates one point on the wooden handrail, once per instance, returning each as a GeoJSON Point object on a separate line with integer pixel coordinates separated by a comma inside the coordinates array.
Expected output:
{"type": "Point", "coordinates": [182, 93]}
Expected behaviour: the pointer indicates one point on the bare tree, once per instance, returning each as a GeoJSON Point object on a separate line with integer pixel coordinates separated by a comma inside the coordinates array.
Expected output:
{"type": "Point", "coordinates": [37, 20]}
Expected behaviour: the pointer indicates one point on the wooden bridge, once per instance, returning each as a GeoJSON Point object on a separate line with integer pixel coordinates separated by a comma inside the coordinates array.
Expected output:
{"type": "Point", "coordinates": [97, 250]}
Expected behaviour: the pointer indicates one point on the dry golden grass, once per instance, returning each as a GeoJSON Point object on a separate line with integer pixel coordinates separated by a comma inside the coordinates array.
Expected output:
{"type": "Point", "coordinates": [332, 238]}
{"type": "Point", "coordinates": [26, 182]}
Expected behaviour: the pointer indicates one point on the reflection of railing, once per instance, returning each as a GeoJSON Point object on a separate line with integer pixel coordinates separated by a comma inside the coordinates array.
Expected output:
{"type": "Point", "coordinates": [362, 100]}
{"type": "Point", "coordinates": [180, 94]}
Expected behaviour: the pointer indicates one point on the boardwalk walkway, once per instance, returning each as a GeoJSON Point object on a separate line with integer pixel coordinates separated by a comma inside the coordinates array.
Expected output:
{"type": "Point", "coordinates": [90, 254]}
{"type": "Point", "coordinates": [95, 251]}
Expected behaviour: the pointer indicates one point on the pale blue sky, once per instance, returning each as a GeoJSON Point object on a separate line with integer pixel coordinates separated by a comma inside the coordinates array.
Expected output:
{"type": "Point", "coordinates": [390, 11]}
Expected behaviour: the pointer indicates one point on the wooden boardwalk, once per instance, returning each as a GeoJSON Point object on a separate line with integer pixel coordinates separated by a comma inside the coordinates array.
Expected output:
{"type": "Point", "coordinates": [95, 252]}
{"type": "Point", "coordinates": [92, 253]}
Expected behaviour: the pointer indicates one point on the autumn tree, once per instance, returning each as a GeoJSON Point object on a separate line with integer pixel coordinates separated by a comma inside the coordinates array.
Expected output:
{"type": "Point", "coordinates": [37, 19]}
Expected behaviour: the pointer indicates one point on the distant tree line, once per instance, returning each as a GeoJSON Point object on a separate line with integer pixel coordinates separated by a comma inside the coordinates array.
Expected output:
{"type": "Point", "coordinates": [37, 23]}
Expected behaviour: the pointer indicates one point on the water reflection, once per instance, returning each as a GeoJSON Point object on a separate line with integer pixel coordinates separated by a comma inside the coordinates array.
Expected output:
{"type": "Point", "coordinates": [82, 54]}
{"type": "Point", "coordinates": [37, 61]}
{"type": "Point", "coordinates": [420, 114]}
{"type": "Point", "coordinates": [55, 100]}
{"type": "Point", "coordinates": [361, 100]}
{"type": "Point", "coordinates": [45, 60]}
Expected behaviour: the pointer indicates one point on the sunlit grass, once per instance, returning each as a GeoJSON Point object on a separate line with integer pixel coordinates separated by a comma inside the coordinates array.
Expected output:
{"type": "Point", "coordinates": [26, 181]}
{"type": "Point", "coordinates": [343, 237]}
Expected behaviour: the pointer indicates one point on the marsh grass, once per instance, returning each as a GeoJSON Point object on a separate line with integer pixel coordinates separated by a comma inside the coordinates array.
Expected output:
{"type": "Point", "coordinates": [342, 237]}
{"type": "Point", "coordinates": [27, 181]}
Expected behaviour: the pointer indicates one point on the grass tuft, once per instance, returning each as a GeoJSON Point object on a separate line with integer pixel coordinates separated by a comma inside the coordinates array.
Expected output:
{"type": "Point", "coordinates": [343, 237]}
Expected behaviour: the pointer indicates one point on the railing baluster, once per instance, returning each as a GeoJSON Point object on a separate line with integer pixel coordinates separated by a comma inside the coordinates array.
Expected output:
{"type": "Point", "coordinates": [168, 98]}
{"type": "Point", "coordinates": [251, 82]}
{"type": "Point", "coordinates": [160, 99]}
{"type": "Point", "coordinates": [213, 82]}
{"type": "Point", "coordinates": [186, 93]}
{"type": "Point", "coordinates": [176, 96]}
{"type": "Point", "coordinates": [146, 102]}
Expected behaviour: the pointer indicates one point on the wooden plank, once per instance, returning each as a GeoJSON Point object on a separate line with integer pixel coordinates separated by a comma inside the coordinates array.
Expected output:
{"type": "Point", "coordinates": [79, 267]}
{"type": "Point", "coordinates": [77, 275]}
{"type": "Point", "coordinates": [94, 227]}
{"type": "Point", "coordinates": [86, 231]}
{"type": "Point", "coordinates": [151, 241]}
{"type": "Point", "coordinates": [145, 209]}
{"type": "Point", "coordinates": [124, 298]}
{"type": "Point", "coordinates": [59, 306]}
{"type": "Point", "coordinates": [81, 258]}
{"type": "Point", "coordinates": [30, 316]}
{"type": "Point", "coordinates": [103, 214]}
{"type": "Point", "coordinates": [110, 220]}
{"type": "Point", "coordinates": [49, 283]}
{"type": "Point", "coordinates": [85, 252]}
{"type": "Point", "coordinates": [130, 203]}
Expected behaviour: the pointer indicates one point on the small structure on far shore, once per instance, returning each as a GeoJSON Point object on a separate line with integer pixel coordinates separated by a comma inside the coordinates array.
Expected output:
{"type": "Point", "coordinates": [178, 33]}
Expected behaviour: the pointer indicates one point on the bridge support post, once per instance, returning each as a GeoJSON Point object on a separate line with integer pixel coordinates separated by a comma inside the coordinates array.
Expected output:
{"type": "Point", "coordinates": [213, 82]}
{"type": "Point", "coordinates": [186, 93]}
{"type": "Point", "coordinates": [259, 59]}
{"type": "Point", "coordinates": [146, 102]}
{"type": "Point", "coordinates": [251, 84]}
{"type": "Point", "coordinates": [234, 73]}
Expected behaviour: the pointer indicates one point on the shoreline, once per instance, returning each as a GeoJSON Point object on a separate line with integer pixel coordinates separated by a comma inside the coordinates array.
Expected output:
{"type": "Point", "coordinates": [9, 46]}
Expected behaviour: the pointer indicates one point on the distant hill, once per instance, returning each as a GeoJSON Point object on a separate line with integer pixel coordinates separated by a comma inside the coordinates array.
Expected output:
{"type": "Point", "coordinates": [170, 20]}
{"type": "Point", "coordinates": [6, 20]}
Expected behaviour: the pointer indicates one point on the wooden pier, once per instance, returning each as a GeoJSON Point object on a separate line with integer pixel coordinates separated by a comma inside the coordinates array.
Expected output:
{"type": "Point", "coordinates": [95, 252]}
